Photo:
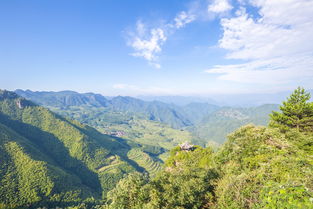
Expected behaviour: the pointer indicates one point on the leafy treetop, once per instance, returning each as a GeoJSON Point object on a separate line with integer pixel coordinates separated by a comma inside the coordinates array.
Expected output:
{"type": "Point", "coordinates": [296, 112]}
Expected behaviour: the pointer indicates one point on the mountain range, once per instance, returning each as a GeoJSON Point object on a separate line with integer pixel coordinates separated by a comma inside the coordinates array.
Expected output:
{"type": "Point", "coordinates": [234, 100]}
{"type": "Point", "coordinates": [207, 122]}
{"type": "Point", "coordinates": [65, 148]}
{"type": "Point", "coordinates": [53, 160]}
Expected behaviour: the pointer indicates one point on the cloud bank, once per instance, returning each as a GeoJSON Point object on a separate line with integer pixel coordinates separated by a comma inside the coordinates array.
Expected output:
{"type": "Point", "coordinates": [272, 40]}
{"type": "Point", "coordinates": [276, 47]}
{"type": "Point", "coordinates": [219, 6]}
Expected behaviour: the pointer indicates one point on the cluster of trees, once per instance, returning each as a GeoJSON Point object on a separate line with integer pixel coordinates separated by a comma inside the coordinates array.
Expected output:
{"type": "Point", "coordinates": [258, 167]}
{"type": "Point", "coordinates": [296, 112]}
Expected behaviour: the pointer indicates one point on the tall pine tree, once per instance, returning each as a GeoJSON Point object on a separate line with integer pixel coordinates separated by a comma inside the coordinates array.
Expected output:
{"type": "Point", "coordinates": [296, 112]}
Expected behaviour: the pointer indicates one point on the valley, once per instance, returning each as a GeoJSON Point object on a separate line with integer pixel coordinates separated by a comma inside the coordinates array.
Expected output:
{"type": "Point", "coordinates": [199, 122]}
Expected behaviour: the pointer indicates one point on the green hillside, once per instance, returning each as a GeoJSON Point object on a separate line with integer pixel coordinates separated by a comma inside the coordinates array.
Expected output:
{"type": "Point", "coordinates": [29, 175]}
{"type": "Point", "coordinates": [150, 164]}
{"type": "Point", "coordinates": [133, 126]}
{"type": "Point", "coordinates": [152, 137]}
{"type": "Point", "coordinates": [224, 121]}
{"type": "Point", "coordinates": [258, 167]}
{"type": "Point", "coordinates": [48, 160]}
{"type": "Point", "coordinates": [65, 156]}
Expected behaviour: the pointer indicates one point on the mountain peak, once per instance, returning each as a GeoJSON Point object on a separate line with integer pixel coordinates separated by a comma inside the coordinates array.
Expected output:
{"type": "Point", "coordinates": [5, 94]}
{"type": "Point", "coordinates": [19, 101]}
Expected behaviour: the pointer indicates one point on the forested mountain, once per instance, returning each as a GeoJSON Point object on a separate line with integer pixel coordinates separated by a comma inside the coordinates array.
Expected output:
{"type": "Point", "coordinates": [205, 121]}
{"type": "Point", "coordinates": [64, 98]}
{"type": "Point", "coordinates": [60, 150]}
{"type": "Point", "coordinates": [258, 167]}
{"type": "Point", "coordinates": [179, 100]}
{"type": "Point", "coordinates": [197, 112]}
{"type": "Point", "coordinates": [158, 111]}
{"type": "Point", "coordinates": [234, 100]}
{"type": "Point", "coordinates": [225, 120]}
{"type": "Point", "coordinates": [49, 159]}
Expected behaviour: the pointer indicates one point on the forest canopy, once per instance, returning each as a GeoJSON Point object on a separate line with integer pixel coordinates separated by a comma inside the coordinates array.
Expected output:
{"type": "Point", "coordinates": [258, 167]}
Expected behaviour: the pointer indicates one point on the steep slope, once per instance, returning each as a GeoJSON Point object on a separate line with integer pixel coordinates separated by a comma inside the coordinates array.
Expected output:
{"type": "Point", "coordinates": [157, 111]}
{"type": "Point", "coordinates": [35, 139]}
{"type": "Point", "coordinates": [223, 121]}
{"type": "Point", "coordinates": [196, 112]}
{"type": "Point", "coordinates": [152, 165]}
{"type": "Point", "coordinates": [28, 175]}
{"type": "Point", "coordinates": [265, 168]}
{"type": "Point", "coordinates": [258, 167]}
{"type": "Point", "coordinates": [128, 126]}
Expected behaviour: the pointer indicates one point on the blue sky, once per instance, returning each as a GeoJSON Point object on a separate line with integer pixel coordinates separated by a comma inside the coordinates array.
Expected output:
{"type": "Point", "coordinates": [177, 47]}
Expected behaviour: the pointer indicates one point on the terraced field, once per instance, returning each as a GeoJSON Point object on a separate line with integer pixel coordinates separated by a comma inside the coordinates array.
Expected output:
{"type": "Point", "coordinates": [115, 161]}
{"type": "Point", "coordinates": [144, 160]}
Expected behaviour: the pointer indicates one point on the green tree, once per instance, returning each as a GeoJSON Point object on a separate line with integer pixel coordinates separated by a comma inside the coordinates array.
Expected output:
{"type": "Point", "coordinates": [296, 112]}
{"type": "Point", "coordinates": [129, 192]}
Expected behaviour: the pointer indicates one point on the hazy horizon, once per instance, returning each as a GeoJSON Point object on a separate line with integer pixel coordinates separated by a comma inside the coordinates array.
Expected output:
{"type": "Point", "coordinates": [235, 100]}
{"type": "Point", "coordinates": [159, 95]}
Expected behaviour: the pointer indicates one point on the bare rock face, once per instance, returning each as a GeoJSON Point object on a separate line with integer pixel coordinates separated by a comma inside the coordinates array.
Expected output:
{"type": "Point", "coordinates": [186, 146]}
{"type": "Point", "coordinates": [22, 103]}
{"type": "Point", "coordinates": [4, 94]}
{"type": "Point", "coordinates": [19, 103]}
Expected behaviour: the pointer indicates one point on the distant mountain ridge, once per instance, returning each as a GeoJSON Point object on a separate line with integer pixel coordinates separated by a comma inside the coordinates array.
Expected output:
{"type": "Point", "coordinates": [234, 100]}
{"type": "Point", "coordinates": [207, 121]}
{"type": "Point", "coordinates": [64, 98]}
{"type": "Point", "coordinates": [227, 119]}
{"type": "Point", "coordinates": [179, 100]}
{"type": "Point", "coordinates": [158, 111]}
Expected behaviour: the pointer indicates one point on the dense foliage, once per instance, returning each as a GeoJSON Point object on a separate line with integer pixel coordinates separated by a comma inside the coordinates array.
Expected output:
{"type": "Point", "coordinates": [51, 161]}
{"type": "Point", "coordinates": [263, 168]}
{"type": "Point", "coordinates": [296, 112]}
{"type": "Point", "coordinates": [258, 167]}
{"type": "Point", "coordinates": [187, 183]}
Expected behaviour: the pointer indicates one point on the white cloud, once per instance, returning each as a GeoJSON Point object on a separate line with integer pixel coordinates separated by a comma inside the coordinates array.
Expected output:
{"type": "Point", "coordinates": [283, 29]}
{"type": "Point", "coordinates": [219, 6]}
{"type": "Point", "coordinates": [147, 42]}
{"type": "Point", "coordinates": [183, 18]}
{"type": "Point", "coordinates": [282, 70]}
{"type": "Point", "coordinates": [277, 46]}
{"type": "Point", "coordinates": [147, 45]}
